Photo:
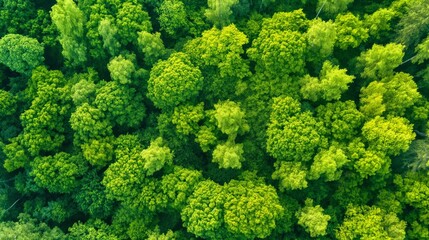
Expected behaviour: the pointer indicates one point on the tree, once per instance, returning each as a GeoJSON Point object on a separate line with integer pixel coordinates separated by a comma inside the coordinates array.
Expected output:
{"type": "Point", "coordinates": [123, 179]}
{"type": "Point", "coordinates": [230, 119]}
{"type": "Point", "coordinates": [371, 99]}
{"type": "Point", "coordinates": [391, 96]}
{"type": "Point", "coordinates": [414, 23]}
{"type": "Point", "coordinates": [371, 162]}
{"type": "Point", "coordinates": [351, 31]}
{"type": "Point", "coordinates": [321, 37]}
{"type": "Point", "coordinates": [109, 33]}
{"type": "Point", "coordinates": [156, 156]}
{"type": "Point", "coordinates": [331, 7]}
{"type": "Point", "coordinates": [206, 138]}
{"type": "Point", "coordinates": [228, 155]}
{"type": "Point", "coordinates": [391, 136]}
{"type": "Point", "coordinates": [44, 122]}
{"type": "Point", "coordinates": [203, 214]}
{"type": "Point", "coordinates": [328, 163]}
{"type": "Point", "coordinates": [98, 152]}
{"type": "Point", "coordinates": [15, 16]}
{"type": "Point", "coordinates": [179, 185]}
{"type": "Point", "coordinates": [28, 228]}
{"type": "Point", "coordinates": [172, 17]}
{"type": "Point", "coordinates": [251, 209]}
{"type": "Point", "coordinates": [292, 135]}
{"type": "Point", "coordinates": [89, 123]}
{"type": "Point", "coordinates": [312, 219]}
{"type": "Point", "coordinates": [16, 155]}
{"type": "Point", "coordinates": [218, 54]}
{"type": "Point", "coordinates": [401, 93]}
{"type": "Point", "coordinates": [121, 104]}
{"type": "Point", "coordinates": [83, 92]}
{"type": "Point", "coordinates": [422, 54]}
{"type": "Point", "coordinates": [291, 175]}
{"type": "Point", "coordinates": [379, 22]}
{"type": "Point", "coordinates": [99, 34]}
{"type": "Point", "coordinates": [90, 197]}
{"type": "Point", "coordinates": [279, 52]}
{"type": "Point", "coordinates": [341, 120]}
{"type": "Point", "coordinates": [130, 20]}
{"type": "Point", "coordinates": [333, 82]}
{"type": "Point", "coordinates": [70, 21]}
{"type": "Point", "coordinates": [215, 211]}
{"type": "Point", "coordinates": [58, 173]}
{"type": "Point", "coordinates": [151, 46]}
{"type": "Point", "coordinates": [174, 81]}
{"type": "Point", "coordinates": [380, 61]}
{"type": "Point", "coordinates": [219, 12]}
{"type": "Point", "coordinates": [8, 103]}
{"type": "Point", "coordinates": [20, 53]}
{"type": "Point", "coordinates": [91, 230]}
{"type": "Point", "coordinates": [186, 118]}
{"type": "Point", "coordinates": [370, 222]}
{"type": "Point", "coordinates": [280, 47]}
{"type": "Point", "coordinates": [121, 69]}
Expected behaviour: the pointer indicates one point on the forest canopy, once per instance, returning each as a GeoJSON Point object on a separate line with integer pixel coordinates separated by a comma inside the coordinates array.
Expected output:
{"type": "Point", "coordinates": [214, 119]}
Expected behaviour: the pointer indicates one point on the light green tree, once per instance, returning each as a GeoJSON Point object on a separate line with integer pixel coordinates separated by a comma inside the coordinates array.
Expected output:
{"type": "Point", "coordinates": [121, 69]}
{"type": "Point", "coordinates": [186, 118]}
{"type": "Point", "coordinates": [156, 156]}
{"type": "Point", "coordinates": [89, 123]}
{"type": "Point", "coordinates": [379, 22]}
{"type": "Point", "coordinates": [328, 163]}
{"type": "Point", "coordinates": [280, 47]}
{"type": "Point", "coordinates": [228, 155]}
{"type": "Point", "coordinates": [251, 209]}
{"type": "Point", "coordinates": [218, 54]}
{"type": "Point", "coordinates": [45, 121]}
{"type": "Point", "coordinates": [371, 99]}
{"type": "Point", "coordinates": [131, 19]}
{"type": "Point", "coordinates": [290, 135]}
{"type": "Point", "coordinates": [8, 103]}
{"type": "Point", "coordinates": [219, 11]}
{"type": "Point", "coordinates": [312, 219]}
{"type": "Point", "coordinates": [152, 46]}
{"type": "Point", "coordinates": [121, 104]}
{"type": "Point", "coordinates": [380, 61]}
{"type": "Point", "coordinates": [109, 32]}
{"type": "Point", "coordinates": [369, 222]}
{"type": "Point", "coordinates": [279, 52]}
{"type": "Point", "coordinates": [98, 152]}
{"type": "Point", "coordinates": [83, 92]}
{"type": "Point", "coordinates": [28, 228]}
{"type": "Point", "coordinates": [70, 21]}
{"type": "Point", "coordinates": [125, 177]}
{"type": "Point", "coordinates": [174, 81]}
{"type": "Point", "coordinates": [331, 84]}
{"type": "Point", "coordinates": [291, 175]}
{"type": "Point", "coordinates": [230, 119]}
{"type": "Point", "coordinates": [351, 31]}
{"type": "Point", "coordinates": [90, 230]}
{"type": "Point", "coordinates": [341, 120]}
{"type": "Point", "coordinates": [172, 17]}
{"type": "Point", "coordinates": [58, 173]}
{"type": "Point", "coordinates": [391, 136]}
{"type": "Point", "coordinates": [20, 53]}
{"type": "Point", "coordinates": [179, 185]}
{"type": "Point", "coordinates": [321, 37]}
{"type": "Point", "coordinates": [203, 214]}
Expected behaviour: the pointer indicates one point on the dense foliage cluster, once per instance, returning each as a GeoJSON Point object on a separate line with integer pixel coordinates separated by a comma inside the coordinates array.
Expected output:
{"type": "Point", "coordinates": [214, 119]}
